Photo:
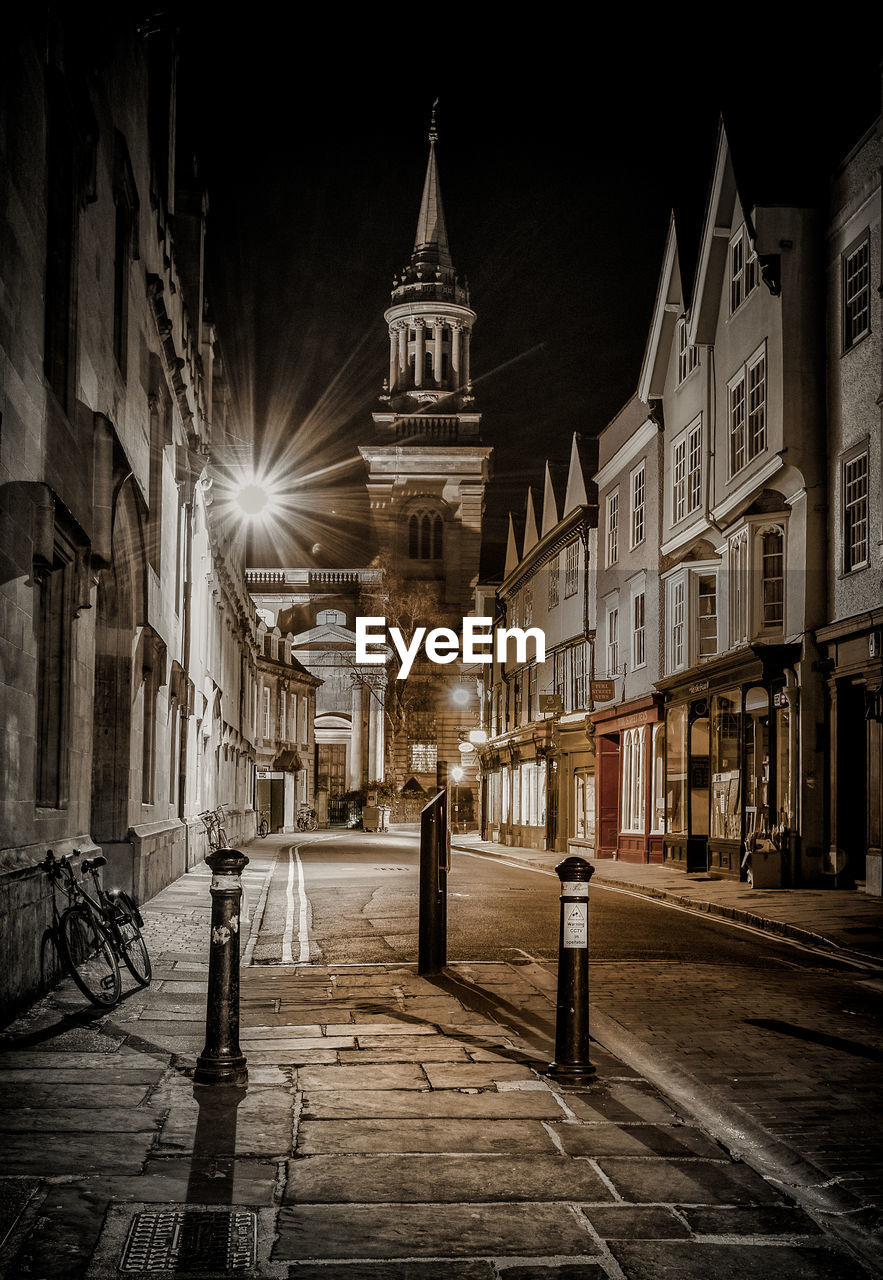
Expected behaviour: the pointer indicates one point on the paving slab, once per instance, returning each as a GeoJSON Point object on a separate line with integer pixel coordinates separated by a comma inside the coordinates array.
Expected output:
{"type": "Point", "coordinates": [73, 1119]}
{"type": "Point", "coordinates": [96, 1096]}
{"type": "Point", "coordinates": [475, 1075]}
{"type": "Point", "coordinates": [339, 1137]}
{"type": "Point", "coordinates": [403, 1075]}
{"type": "Point", "coordinates": [697, 1181]}
{"type": "Point", "coordinates": [759, 1220]}
{"type": "Point", "coordinates": [415, 1230]}
{"type": "Point", "coordinates": [628, 1222]}
{"type": "Point", "coordinates": [65, 1154]}
{"type": "Point", "coordinates": [622, 1102]}
{"type": "Point", "coordinates": [259, 1123]}
{"type": "Point", "coordinates": [404, 1103]}
{"type": "Point", "coordinates": [638, 1140]}
{"type": "Point", "coordinates": [439, 1050]}
{"type": "Point", "coordinates": [553, 1271]}
{"type": "Point", "coordinates": [442, 1179]}
{"type": "Point", "coordinates": [685, 1260]}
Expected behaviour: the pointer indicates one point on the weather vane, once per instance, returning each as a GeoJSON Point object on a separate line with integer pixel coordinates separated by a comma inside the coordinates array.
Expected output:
{"type": "Point", "coordinates": [433, 132]}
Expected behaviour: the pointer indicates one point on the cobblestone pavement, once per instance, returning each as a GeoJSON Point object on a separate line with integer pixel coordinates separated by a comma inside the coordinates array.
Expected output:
{"type": "Point", "coordinates": [393, 1126]}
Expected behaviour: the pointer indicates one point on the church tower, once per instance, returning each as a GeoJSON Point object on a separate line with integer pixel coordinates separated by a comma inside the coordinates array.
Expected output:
{"type": "Point", "coordinates": [427, 468]}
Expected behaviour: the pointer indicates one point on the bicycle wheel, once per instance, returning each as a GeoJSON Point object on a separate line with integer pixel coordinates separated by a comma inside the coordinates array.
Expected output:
{"type": "Point", "coordinates": [313, 823]}
{"type": "Point", "coordinates": [130, 941]}
{"type": "Point", "coordinates": [264, 829]}
{"type": "Point", "coordinates": [90, 956]}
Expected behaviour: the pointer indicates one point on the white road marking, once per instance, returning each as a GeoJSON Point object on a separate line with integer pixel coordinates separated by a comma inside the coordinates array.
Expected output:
{"type": "Point", "coordinates": [287, 957]}
{"type": "Point", "coordinates": [303, 931]}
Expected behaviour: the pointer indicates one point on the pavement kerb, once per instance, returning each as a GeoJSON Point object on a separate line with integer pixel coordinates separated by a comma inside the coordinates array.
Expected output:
{"type": "Point", "coordinates": [735, 914]}
{"type": "Point", "coordinates": [833, 1207]}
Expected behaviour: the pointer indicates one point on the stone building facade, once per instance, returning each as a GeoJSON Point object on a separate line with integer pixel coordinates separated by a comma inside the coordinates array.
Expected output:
{"type": "Point", "coordinates": [852, 638]}
{"type": "Point", "coordinates": [126, 631]}
{"type": "Point", "coordinates": [285, 743]}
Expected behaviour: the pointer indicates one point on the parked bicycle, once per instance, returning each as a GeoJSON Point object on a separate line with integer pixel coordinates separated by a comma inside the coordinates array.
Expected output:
{"type": "Point", "coordinates": [306, 819]}
{"type": "Point", "coordinates": [97, 930]}
{"type": "Point", "coordinates": [264, 824]}
{"type": "Point", "coordinates": [213, 822]}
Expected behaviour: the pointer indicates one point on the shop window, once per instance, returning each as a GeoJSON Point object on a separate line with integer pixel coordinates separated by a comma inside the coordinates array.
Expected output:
{"type": "Point", "coordinates": [425, 536]}
{"type": "Point", "coordinates": [632, 771]}
{"type": "Point", "coordinates": [757, 762]}
{"type": "Point", "coordinates": [772, 579]}
{"type": "Point", "coordinates": [700, 775]}
{"type": "Point", "coordinates": [676, 771]}
{"type": "Point", "coordinates": [707, 593]}
{"type": "Point", "coordinates": [657, 804]}
{"type": "Point", "coordinates": [739, 593]}
{"type": "Point", "coordinates": [516, 796]}
{"type": "Point", "coordinates": [726, 776]}
{"type": "Point", "coordinates": [785, 763]}
{"type": "Point", "coordinates": [584, 806]}
{"type": "Point", "coordinates": [506, 797]}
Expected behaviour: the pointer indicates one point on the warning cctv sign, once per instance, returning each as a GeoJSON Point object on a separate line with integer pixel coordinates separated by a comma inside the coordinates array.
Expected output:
{"type": "Point", "coordinates": [576, 924]}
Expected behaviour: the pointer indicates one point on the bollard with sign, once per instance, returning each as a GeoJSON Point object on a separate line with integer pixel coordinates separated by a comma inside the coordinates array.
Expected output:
{"type": "Point", "coordinates": [222, 1061]}
{"type": "Point", "coordinates": [572, 1065]}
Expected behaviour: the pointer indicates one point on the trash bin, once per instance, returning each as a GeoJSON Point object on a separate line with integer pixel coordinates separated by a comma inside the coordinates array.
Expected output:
{"type": "Point", "coordinates": [385, 811]}
{"type": "Point", "coordinates": [371, 817]}
{"type": "Point", "coordinates": [763, 863]}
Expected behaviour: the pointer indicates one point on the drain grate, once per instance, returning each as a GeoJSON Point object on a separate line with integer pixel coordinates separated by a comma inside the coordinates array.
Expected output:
{"type": "Point", "coordinates": [201, 1242]}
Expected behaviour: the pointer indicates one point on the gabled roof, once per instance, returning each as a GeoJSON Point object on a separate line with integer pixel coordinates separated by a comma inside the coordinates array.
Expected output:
{"type": "Point", "coordinates": [668, 306]}
{"type": "Point", "coordinates": [512, 556]}
{"type": "Point", "coordinates": [581, 489]}
{"type": "Point", "coordinates": [550, 506]}
{"type": "Point", "coordinates": [531, 537]}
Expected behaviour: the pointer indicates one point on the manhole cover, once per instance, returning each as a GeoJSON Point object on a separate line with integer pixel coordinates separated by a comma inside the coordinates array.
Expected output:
{"type": "Point", "coordinates": [201, 1242]}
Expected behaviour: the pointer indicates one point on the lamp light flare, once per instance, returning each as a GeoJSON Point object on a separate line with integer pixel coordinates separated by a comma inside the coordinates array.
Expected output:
{"type": "Point", "coordinates": [253, 500]}
{"type": "Point", "coordinates": [460, 695]}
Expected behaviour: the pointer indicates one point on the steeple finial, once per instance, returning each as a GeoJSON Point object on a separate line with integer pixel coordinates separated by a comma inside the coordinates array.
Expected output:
{"type": "Point", "coordinates": [433, 131]}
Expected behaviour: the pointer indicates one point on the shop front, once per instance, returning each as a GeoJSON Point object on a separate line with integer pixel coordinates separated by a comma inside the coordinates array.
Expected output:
{"type": "Point", "coordinates": [629, 782]}
{"type": "Point", "coordinates": [731, 739]}
{"type": "Point", "coordinates": [854, 650]}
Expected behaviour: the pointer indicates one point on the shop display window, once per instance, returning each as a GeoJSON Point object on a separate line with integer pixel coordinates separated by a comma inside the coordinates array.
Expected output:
{"type": "Point", "coordinates": [785, 767]}
{"type": "Point", "coordinates": [726, 773]}
{"type": "Point", "coordinates": [700, 775]}
{"type": "Point", "coordinates": [757, 762]}
{"type": "Point", "coordinates": [658, 779]}
{"type": "Point", "coordinates": [584, 806]}
{"type": "Point", "coordinates": [676, 770]}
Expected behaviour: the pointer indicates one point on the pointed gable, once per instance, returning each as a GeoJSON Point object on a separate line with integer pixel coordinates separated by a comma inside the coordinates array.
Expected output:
{"type": "Point", "coordinates": [550, 506]}
{"type": "Point", "coordinates": [581, 489]}
{"type": "Point", "coordinates": [668, 306]}
{"type": "Point", "coordinates": [723, 210]}
{"type": "Point", "coordinates": [531, 537]}
{"type": "Point", "coordinates": [512, 556]}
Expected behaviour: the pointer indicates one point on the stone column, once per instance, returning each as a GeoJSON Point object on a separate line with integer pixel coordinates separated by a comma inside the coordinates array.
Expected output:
{"type": "Point", "coordinates": [437, 358]}
{"type": "Point", "coordinates": [375, 735]}
{"type": "Point", "coordinates": [355, 762]}
{"type": "Point", "coordinates": [467, 333]}
{"type": "Point", "coordinates": [455, 352]}
{"type": "Point", "coordinates": [402, 380]}
{"type": "Point", "coordinates": [420, 334]}
{"type": "Point", "coordinates": [393, 348]}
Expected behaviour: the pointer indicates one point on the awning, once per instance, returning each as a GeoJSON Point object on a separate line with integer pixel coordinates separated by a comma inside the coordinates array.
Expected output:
{"type": "Point", "coordinates": [287, 761]}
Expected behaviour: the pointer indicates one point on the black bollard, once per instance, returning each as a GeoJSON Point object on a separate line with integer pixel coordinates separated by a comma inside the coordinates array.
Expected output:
{"type": "Point", "coordinates": [222, 1061]}
{"type": "Point", "coordinates": [432, 923]}
{"type": "Point", "coordinates": [571, 1065]}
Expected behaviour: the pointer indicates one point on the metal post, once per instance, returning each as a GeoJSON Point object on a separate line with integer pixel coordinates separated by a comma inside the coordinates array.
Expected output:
{"type": "Point", "coordinates": [222, 1061]}
{"type": "Point", "coordinates": [571, 1064]}
{"type": "Point", "coordinates": [432, 944]}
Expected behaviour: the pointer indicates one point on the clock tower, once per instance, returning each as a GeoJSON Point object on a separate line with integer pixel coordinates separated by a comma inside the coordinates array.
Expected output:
{"type": "Point", "coordinates": [427, 467]}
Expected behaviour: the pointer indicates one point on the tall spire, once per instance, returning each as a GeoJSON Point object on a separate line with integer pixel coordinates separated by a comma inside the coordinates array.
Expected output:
{"type": "Point", "coordinates": [431, 242]}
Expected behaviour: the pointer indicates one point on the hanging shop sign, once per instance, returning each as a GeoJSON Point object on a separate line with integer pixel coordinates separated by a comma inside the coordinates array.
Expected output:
{"type": "Point", "coordinates": [602, 690]}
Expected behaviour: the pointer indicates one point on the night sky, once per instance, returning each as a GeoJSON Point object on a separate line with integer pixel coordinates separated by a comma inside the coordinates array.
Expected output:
{"type": "Point", "coordinates": [559, 163]}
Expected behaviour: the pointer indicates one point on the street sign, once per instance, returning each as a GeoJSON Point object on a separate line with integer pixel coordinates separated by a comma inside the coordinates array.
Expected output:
{"type": "Point", "coordinates": [551, 702]}
{"type": "Point", "coordinates": [576, 924]}
{"type": "Point", "coordinates": [603, 690]}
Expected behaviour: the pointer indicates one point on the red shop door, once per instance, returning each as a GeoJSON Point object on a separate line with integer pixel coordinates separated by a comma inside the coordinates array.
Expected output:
{"type": "Point", "coordinates": [607, 792]}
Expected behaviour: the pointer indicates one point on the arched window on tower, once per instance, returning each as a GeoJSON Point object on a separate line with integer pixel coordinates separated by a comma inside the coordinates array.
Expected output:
{"type": "Point", "coordinates": [425, 536]}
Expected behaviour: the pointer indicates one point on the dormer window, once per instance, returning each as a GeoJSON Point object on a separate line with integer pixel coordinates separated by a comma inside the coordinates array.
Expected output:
{"type": "Point", "coordinates": [425, 536]}
{"type": "Point", "coordinates": [743, 270]}
{"type": "Point", "coordinates": [331, 617]}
